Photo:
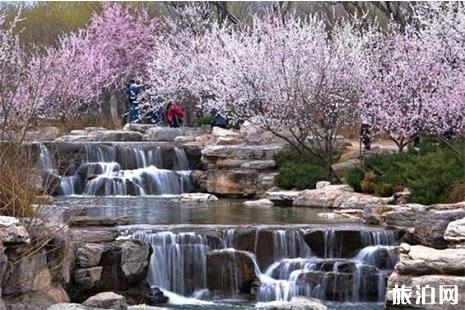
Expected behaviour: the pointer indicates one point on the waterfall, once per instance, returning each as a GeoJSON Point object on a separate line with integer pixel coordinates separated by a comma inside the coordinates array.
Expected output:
{"type": "Point", "coordinates": [181, 162]}
{"type": "Point", "coordinates": [45, 160]}
{"type": "Point", "coordinates": [109, 170]}
{"type": "Point", "coordinates": [178, 262]}
{"type": "Point", "coordinates": [358, 279]}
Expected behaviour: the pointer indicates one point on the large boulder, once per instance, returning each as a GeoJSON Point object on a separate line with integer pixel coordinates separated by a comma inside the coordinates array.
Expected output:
{"type": "Point", "coordinates": [336, 196]}
{"type": "Point", "coordinates": [70, 306]}
{"type": "Point", "coordinates": [434, 282]}
{"type": "Point", "coordinates": [230, 272]}
{"type": "Point", "coordinates": [431, 226]}
{"type": "Point", "coordinates": [3, 265]}
{"type": "Point", "coordinates": [106, 300]}
{"type": "Point", "coordinates": [164, 134]}
{"type": "Point", "coordinates": [232, 182]}
{"type": "Point", "coordinates": [87, 278]}
{"type": "Point", "coordinates": [420, 260]}
{"type": "Point", "coordinates": [455, 231]}
{"type": "Point", "coordinates": [12, 231]}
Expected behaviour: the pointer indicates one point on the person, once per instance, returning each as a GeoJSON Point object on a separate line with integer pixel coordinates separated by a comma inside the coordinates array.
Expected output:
{"type": "Point", "coordinates": [218, 119]}
{"type": "Point", "coordinates": [133, 91]}
{"type": "Point", "coordinates": [174, 115]}
{"type": "Point", "coordinates": [365, 130]}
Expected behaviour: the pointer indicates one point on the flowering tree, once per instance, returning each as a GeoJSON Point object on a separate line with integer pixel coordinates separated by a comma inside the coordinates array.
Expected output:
{"type": "Point", "coordinates": [103, 57]}
{"type": "Point", "coordinates": [411, 87]}
{"type": "Point", "coordinates": [293, 78]}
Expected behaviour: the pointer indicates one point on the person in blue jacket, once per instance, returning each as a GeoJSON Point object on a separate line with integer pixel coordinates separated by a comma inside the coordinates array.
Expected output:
{"type": "Point", "coordinates": [133, 91]}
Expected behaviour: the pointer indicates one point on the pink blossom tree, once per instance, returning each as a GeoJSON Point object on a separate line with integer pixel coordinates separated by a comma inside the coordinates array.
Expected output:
{"type": "Point", "coordinates": [410, 88]}
{"type": "Point", "coordinates": [86, 64]}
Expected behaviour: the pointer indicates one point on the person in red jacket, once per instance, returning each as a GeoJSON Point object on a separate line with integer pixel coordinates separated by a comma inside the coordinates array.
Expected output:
{"type": "Point", "coordinates": [174, 115]}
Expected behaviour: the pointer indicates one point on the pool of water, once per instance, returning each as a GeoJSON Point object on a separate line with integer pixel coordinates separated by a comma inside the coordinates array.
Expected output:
{"type": "Point", "coordinates": [168, 210]}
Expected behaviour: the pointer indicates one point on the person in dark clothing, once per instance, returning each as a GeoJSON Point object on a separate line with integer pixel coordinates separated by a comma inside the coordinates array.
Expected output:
{"type": "Point", "coordinates": [174, 115]}
{"type": "Point", "coordinates": [218, 120]}
{"type": "Point", "coordinates": [133, 91]}
{"type": "Point", "coordinates": [365, 130]}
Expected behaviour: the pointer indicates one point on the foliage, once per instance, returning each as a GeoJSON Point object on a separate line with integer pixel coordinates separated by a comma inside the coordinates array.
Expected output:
{"type": "Point", "coordinates": [298, 170]}
{"type": "Point", "coordinates": [299, 175]}
{"type": "Point", "coordinates": [430, 176]}
{"type": "Point", "coordinates": [204, 120]}
{"type": "Point", "coordinates": [355, 177]}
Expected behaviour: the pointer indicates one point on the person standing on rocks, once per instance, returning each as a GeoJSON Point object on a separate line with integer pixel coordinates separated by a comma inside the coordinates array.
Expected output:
{"type": "Point", "coordinates": [174, 115]}
{"type": "Point", "coordinates": [133, 92]}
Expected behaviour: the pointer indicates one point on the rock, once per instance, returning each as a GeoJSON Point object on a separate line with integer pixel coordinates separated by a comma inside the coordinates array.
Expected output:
{"type": "Point", "coordinates": [12, 231]}
{"type": "Point", "coordinates": [341, 168]}
{"type": "Point", "coordinates": [237, 266]}
{"type": "Point", "coordinates": [92, 235]}
{"type": "Point", "coordinates": [349, 241]}
{"type": "Point", "coordinates": [60, 252]}
{"type": "Point", "coordinates": [88, 278]}
{"type": "Point", "coordinates": [225, 136]}
{"type": "Point", "coordinates": [36, 300]}
{"type": "Point", "coordinates": [266, 181]}
{"type": "Point", "coordinates": [420, 260]}
{"type": "Point", "coordinates": [118, 135]}
{"type": "Point", "coordinates": [282, 197]}
{"type": "Point", "coordinates": [322, 184]}
{"type": "Point", "coordinates": [70, 306]}
{"type": "Point", "coordinates": [403, 197]}
{"type": "Point", "coordinates": [89, 254]}
{"type": "Point", "coordinates": [3, 266]}
{"type": "Point", "coordinates": [431, 226]}
{"type": "Point", "coordinates": [142, 128]}
{"type": "Point", "coordinates": [232, 182]}
{"type": "Point", "coordinates": [156, 297]}
{"type": "Point", "coordinates": [403, 216]}
{"type": "Point", "coordinates": [134, 260]}
{"type": "Point", "coordinates": [98, 221]}
{"type": "Point", "coordinates": [229, 163]}
{"type": "Point", "coordinates": [2, 305]}
{"type": "Point", "coordinates": [28, 274]}
{"type": "Point", "coordinates": [296, 303]}
{"type": "Point", "coordinates": [163, 134]}
{"type": "Point", "coordinates": [455, 231]}
{"type": "Point", "coordinates": [197, 197]}
{"type": "Point", "coordinates": [259, 164]}
{"type": "Point", "coordinates": [349, 213]}
{"type": "Point", "coordinates": [258, 203]}
{"type": "Point", "coordinates": [433, 281]}
{"type": "Point", "coordinates": [107, 300]}
{"type": "Point", "coordinates": [336, 196]}
{"type": "Point", "coordinates": [250, 152]}
{"type": "Point", "coordinates": [199, 180]}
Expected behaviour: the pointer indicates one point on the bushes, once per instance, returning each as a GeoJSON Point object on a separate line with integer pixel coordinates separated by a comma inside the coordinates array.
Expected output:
{"type": "Point", "coordinates": [431, 175]}
{"type": "Point", "coordinates": [299, 175]}
{"type": "Point", "coordinates": [298, 170]}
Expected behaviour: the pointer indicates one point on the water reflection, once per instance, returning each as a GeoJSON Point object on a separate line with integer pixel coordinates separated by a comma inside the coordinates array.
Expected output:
{"type": "Point", "coordinates": [154, 210]}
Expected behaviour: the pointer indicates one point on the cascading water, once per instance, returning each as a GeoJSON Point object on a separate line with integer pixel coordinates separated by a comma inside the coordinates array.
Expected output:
{"type": "Point", "coordinates": [295, 270]}
{"type": "Point", "coordinates": [175, 258]}
{"type": "Point", "coordinates": [110, 170]}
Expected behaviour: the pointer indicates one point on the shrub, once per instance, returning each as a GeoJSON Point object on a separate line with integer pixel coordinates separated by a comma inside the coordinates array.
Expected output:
{"type": "Point", "coordinates": [17, 182]}
{"type": "Point", "coordinates": [290, 155]}
{"type": "Point", "coordinates": [368, 182]}
{"type": "Point", "coordinates": [354, 178]}
{"type": "Point", "coordinates": [299, 175]}
{"type": "Point", "coordinates": [384, 189]}
{"type": "Point", "coordinates": [204, 120]}
{"type": "Point", "coordinates": [430, 174]}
